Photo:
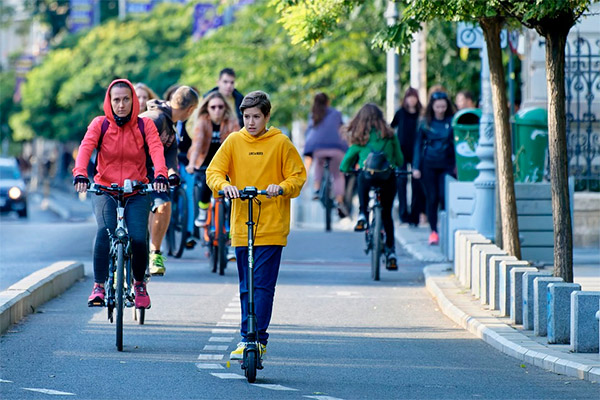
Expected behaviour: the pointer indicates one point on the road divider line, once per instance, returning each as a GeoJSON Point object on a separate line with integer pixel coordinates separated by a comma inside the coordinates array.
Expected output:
{"type": "Point", "coordinates": [227, 375]}
{"type": "Point", "coordinates": [50, 391]}
{"type": "Point", "coordinates": [210, 357]}
{"type": "Point", "coordinates": [211, 347]}
{"type": "Point", "coordinates": [274, 387]}
{"type": "Point", "coordinates": [220, 339]}
{"type": "Point", "coordinates": [223, 330]}
{"type": "Point", "coordinates": [209, 366]}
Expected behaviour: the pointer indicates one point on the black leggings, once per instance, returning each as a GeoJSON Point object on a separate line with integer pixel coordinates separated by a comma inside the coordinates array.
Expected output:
{"type": "Point", "coordinates": [205, 192]}
{"type": "Point", "coordinates": [388, 192]}
{"type": "Point", "coordinates": [137, 209]}
{"type": "Point", "coordinates": [433, 183]}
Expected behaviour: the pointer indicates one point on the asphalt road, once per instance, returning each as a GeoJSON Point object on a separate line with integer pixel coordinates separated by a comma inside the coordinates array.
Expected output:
{"type": "Point", "coordinates": [335, 334]}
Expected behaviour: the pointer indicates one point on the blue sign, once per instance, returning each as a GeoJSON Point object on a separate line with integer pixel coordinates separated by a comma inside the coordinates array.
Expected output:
{"type": "Point", "coordinates": [205, 19]}
{"type": "Point", "coordinates": [81, 15]}
{"type": "Point", "coordinates": [471, 36]}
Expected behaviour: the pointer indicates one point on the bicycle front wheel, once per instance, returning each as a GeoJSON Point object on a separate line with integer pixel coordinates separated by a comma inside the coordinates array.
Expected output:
{"type": "Point", "coordinates": [326, 198]}
{"type": "Point", "coordinates": [377, 243]}
{"type": "Point", "coordinates": [120, 295]}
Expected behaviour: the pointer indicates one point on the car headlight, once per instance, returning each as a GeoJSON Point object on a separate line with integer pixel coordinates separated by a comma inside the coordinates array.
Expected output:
{"type": "Point", "coordinates": [14, 193]}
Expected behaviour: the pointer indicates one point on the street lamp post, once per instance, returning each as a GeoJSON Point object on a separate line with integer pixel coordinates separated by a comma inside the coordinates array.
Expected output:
{"type": "Point", "coordinates": [392, 90]}
{"type": "Point", "coordinates": [484, 215]}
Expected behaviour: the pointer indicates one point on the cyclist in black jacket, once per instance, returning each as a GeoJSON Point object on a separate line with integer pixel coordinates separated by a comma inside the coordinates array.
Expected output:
{"type": "Point", "coordinates": [434, 155]}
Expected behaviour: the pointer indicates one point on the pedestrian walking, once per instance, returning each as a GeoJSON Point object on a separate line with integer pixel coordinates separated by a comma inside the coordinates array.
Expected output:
{"type": "Point", "coordinates": [433, 157]}
{"type": "Point", "coordinates": [406, 122]}
{"type": "Point", "coordinates": [226, 86]}
{"type": "Point", "coordinates": [324, 141]}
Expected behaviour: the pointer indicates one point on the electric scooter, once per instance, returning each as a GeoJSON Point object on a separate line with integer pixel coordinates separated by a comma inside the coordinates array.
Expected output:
{"type": "Point", "coordinates": [251, 361]}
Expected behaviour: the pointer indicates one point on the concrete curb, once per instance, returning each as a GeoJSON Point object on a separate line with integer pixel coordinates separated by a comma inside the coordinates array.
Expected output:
{"type": "Point", "coordinates": [502, 336]}
{"type": "Point", "coordinates": [25, 296]}
{"type": "Point", "coordinates": [417, 246]}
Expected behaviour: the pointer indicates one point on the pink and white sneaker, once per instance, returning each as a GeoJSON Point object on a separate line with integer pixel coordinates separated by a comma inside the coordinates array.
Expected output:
{"type": "Point", "coordinates": [142, 299]}
{"type": "Point", "coordinates": [96, 299]}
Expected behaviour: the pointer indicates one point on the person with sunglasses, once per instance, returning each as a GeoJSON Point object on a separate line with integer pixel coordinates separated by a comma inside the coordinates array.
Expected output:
{"type": "Point", "coordinates": [215, 120]}
{"type": "Point", "coordinates": [434, 157]}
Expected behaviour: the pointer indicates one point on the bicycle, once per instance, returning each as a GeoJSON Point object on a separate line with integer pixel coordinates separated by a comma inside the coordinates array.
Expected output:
{"type": "Point", "coordinates": [216, 233]}
{"type": "Point", "coordinates": [375, 234]}
{"type": "Point", "coordinates": [251, 361]}
{"type": "Point", "coordinates": [120, 293]}
{"type": "Point", "coordinates": [177, 233]}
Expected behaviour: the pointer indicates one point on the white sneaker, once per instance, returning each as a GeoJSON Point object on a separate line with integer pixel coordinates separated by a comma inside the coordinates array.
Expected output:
{"type": "Point", "coordinates": [201, 219]}
{"type": "Point", "coordinates": [231, 253]}
{"type": "Point", "coordinates": [238, 353]}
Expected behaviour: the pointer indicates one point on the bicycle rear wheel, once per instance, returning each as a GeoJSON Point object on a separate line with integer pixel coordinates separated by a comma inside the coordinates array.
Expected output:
{"type": "Point", "coordinates": [326, 198]}
{"type": "Point", "coordinates": [377, 243]}
{"type": "Point", "coordinates": [120, 296]}
{"type": "Point", "coordinates": [177, 232]}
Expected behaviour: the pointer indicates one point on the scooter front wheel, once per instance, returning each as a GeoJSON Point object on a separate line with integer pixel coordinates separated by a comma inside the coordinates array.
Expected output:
{"type": "Point", "coordinates": [250, 365]}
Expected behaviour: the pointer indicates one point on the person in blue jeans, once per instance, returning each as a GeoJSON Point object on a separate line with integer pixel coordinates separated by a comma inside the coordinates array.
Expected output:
{"type": "Point", "coordinates": [266, 159]}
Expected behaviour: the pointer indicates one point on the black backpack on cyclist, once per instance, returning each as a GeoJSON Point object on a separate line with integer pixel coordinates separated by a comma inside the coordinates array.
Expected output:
{"type": "Point", "coordinates": [376, 165]}
{"type": "Point", "coordinates": [140, 123]}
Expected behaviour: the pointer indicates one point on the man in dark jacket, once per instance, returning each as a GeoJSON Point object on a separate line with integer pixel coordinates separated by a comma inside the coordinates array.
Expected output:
{"type": "Point", "coordinates": [165, 115]}
{"type": "Point", "coordinates": [226, 86]}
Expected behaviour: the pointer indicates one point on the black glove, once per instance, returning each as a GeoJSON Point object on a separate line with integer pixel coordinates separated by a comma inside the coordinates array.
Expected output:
{"type": "Point", "coordinates": [161, 179]}
{"type": "Point", "coordinates": [81, 179]}
{"type": "Point", "coordinates": [174, 180]}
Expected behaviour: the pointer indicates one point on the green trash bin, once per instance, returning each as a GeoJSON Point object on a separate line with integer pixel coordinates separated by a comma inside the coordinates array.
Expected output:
{"type": "Point", "coordinates": [531, 144]}
{"type": "Point", "coordinates": [465, 124]}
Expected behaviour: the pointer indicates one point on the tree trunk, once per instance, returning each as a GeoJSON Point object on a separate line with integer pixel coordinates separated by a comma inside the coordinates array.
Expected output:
{"type": "Point", "coordinates": [557, 145]}
{"type": "Point", "coordinates": [506, 183]}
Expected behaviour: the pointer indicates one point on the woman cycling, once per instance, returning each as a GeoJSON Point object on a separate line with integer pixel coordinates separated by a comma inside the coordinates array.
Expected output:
{"type": "Point", "coordinates": [214, 122]}
{"type": "Point", "coordinates": [368, 132]}
{"type": "Point", "coordinates": [121, 155]}
{"type": "Point", "coordinates": [434, 155]}
{"type": "Point", "coordinates": [323, 141]}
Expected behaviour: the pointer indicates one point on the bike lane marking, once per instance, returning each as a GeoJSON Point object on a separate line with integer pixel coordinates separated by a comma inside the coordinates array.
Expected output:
{"type": "Point", "coordinates": [5, 381]}
{"type": "Point", "coordinates": [323, 397]}
{"type": "Point", "coordinates": [221, 339]}
{"type": "Point", "coordinates": [50, 391]}
{"type": "Point", "coordinates": [227, 375]}
{"type": "Point", "coordinates": [272, 386]}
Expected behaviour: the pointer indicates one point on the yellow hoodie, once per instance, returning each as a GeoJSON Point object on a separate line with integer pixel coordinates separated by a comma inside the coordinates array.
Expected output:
{"type": "Point", "coordinates": [259, 162]}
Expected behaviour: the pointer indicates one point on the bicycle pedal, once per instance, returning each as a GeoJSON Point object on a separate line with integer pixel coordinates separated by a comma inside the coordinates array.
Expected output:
{"type": "Point", "coordinates": [158, 274]}
{"type": "Point", "coordinates": [96, 303]}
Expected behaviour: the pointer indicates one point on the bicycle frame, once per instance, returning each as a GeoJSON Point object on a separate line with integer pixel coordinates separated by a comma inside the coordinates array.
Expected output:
{"type": "Point", "coordinates": [325, 193]}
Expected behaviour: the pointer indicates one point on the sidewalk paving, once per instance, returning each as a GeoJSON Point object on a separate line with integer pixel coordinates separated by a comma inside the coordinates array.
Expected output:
{"type": "Point", "coordinates": [456, 302]}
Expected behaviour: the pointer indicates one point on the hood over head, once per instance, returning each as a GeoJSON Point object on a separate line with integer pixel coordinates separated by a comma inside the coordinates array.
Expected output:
{"type": "Point", "coordinates": [135, 109]}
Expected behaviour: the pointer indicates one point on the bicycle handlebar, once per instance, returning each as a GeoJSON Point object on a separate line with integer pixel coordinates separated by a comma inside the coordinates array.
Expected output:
{"type": "Point", "coordinates": [128, 187]}
{"type": "Point", "coordinates": [250, 192]}
{"type": "Point", "coordinates": [396, 171]}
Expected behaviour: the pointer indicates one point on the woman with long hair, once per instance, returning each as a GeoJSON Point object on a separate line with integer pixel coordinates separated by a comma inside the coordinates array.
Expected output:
{"type": "Point", "coordinates": [368, 132]}
{"type": "Point", "coordinates": [405, 122]}
{"type": "Point", "coordinates": [434, 155]}
{"type": "Point", "coordinates": [323, 141]}
{"type": "Point", "coordinates": [144, 93]}
{"type": "Point", "coordinates": [214, 122]}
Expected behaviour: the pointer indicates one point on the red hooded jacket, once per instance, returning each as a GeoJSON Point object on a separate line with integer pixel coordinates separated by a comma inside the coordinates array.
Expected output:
{"type": "Point", "coordinates": [122, 155]}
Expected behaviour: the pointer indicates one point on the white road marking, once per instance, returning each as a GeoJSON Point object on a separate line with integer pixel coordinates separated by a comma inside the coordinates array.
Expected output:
{"type": "Point", "coordinates": [273, 387]}
{"type": "Point", "coordinates": [323, 397]}
{"type": "Point", "coordinates": [232, 310]}
{"type": "Point", "coordinates": [209, 366]}
{"type": "Point", "coordinates": [230, 316]}
{"type": "Point", "coordinates": [235, 304]}
{"type": "Point", "coordinates": [228, 323]}
{"type": "Point", "coordinates": [50, 391]}
{"type": "Point", "coordinates": [5, 381]}
{"type": "Point", "coordinates": [211, 347]}
{"type": "Point", "coordinates": [221, 339]}
{"type": "Point", "coordinates": [223, 330]}
{"type": "Point", "coordinates": [207, 357]}
{"type": "Point", "coordinates": [227, 375]}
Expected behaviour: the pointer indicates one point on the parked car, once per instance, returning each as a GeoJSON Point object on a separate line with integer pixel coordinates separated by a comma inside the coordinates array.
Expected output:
{"type": "Point", "coordinates": [13, 194]}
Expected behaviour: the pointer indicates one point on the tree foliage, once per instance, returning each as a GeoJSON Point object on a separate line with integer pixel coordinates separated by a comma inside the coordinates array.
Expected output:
{"type": "Point", "coordinates": [67, 89]}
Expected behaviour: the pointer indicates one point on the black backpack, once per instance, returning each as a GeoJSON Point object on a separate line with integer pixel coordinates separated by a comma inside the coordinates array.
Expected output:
{"type": "Point", "coordinates": [104, 128]}
{"type": "Point", "coordinates": [377, 165]}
